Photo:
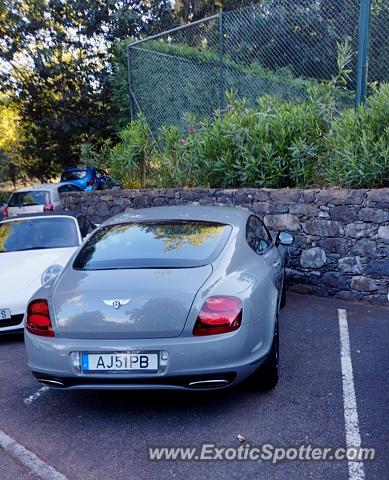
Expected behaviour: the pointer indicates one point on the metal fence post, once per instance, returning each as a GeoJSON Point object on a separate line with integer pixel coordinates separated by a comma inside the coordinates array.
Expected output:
{"type": "Point", "coordinates": [221, 55]}
{"type": "Point", "coordinates": [363, 49]}
{"type": "Point", "coordinates": [129, 83]}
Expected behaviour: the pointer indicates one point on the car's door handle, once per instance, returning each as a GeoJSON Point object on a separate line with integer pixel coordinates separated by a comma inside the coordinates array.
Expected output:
{"type": "Point", "coordinates": [276, 264]}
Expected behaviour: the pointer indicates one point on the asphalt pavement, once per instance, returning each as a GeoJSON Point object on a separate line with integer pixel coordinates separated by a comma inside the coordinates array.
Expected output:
{"type": "Point", "coordinates": [99, 435]}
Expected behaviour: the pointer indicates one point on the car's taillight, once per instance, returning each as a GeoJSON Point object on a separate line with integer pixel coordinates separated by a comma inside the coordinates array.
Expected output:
{"type": "Point", "coordinates": [38, 319]}
{"type": "Point", "coordinates": [89, 183]}
{"type": "Point", "coordinates": [48, 207]}
{"type": "Point", "coordinates": [5, 212]}
{"type": "Point", "coordinates": [219, 315]}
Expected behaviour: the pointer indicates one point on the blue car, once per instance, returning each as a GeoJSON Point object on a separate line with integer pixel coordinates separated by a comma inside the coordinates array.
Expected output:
{"type": "Point", "coordinates": [88, 178]}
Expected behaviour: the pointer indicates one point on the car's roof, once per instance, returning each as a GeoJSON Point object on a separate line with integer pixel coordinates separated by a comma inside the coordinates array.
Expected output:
{"type": "Point", "coordinates": [72, 169]}
{"type": "Point", "coordinates": [56, 213]}
{"type": "Point", "coordinates": [42, 186]}
{"type": "Point", "coordinates": [235, 216]}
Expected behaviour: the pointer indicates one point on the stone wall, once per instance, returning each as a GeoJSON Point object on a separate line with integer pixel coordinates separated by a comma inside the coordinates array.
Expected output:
{"type": "Point", "coordinates": [341, 236]}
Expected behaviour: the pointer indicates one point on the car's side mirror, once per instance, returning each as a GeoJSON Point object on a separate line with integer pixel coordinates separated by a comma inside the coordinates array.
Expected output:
{"type": "Point", "coordinates": [284, 238]}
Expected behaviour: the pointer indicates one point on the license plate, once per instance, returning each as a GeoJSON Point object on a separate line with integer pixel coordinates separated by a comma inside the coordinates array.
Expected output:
{"type": "Point", "coordinates": [5, 314]}
{"type": "Point", "coordinates": [119, 362]}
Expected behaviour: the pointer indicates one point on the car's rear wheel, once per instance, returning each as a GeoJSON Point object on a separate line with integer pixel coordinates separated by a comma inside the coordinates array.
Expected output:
{"type": "Point", "coordinates": [268, 373]}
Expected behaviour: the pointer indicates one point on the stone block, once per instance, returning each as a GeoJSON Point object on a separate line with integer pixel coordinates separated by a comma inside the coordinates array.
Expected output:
{"type": "Point", "coordinates": [350, 265]}
{"type": "Point", "coordinates": [364, 284]}
{"type": "Point", "coordinates": [313, 258]}
{"type": "Point", "coordinates": [285, 221]}
{"type": "Point", "coordinates": [324, 228]}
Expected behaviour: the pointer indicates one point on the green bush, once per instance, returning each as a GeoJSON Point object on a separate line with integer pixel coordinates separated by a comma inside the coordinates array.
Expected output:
{"type": "Point", "coordinates": [130, 161]}
{"type": "Point", "coordinates": [357, 145]}
{"type": "Point", "coordinates": [276, 144]}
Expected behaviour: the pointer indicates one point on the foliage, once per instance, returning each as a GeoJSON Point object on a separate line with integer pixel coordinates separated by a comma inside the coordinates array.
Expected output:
{"type": "Point", "coordinates": [329, 94]}
{"type": "Point", "coordinates": [63, 78]}
{"type": "Point", "coordinates": [357, 145]}
{"type": "Point", "coordinates": [4, 196]}
{"type": "Point", "coordinates": [283, 31]}
{"type": "Point", "coordinates": [379, 42]}
{"type": "Point", "coordinates": [181, 85]}
{"type": "Point", "coordinates": [130, 161]}
{"type": "Point", "coordinates": [11, 138]}
{"type": "Point", "coordinates": [94, 156]}
{"type": "Point", "coordinates": [276, 144]}
{"type": "Point", "coordinates": [55, 65]}
{"type": "Point", "coordinates": [251, 146]}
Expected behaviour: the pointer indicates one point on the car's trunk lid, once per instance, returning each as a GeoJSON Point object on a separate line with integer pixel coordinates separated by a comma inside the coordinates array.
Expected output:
{"type": "Point", "coordinates": [150, 303]}
{"type": "Point", "coordinates": [24, 210]}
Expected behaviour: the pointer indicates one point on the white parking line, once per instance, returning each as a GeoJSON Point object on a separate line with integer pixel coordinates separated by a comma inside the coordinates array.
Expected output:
{"type": "Point", "coordinates": [35, 395]}
{"type": "Point", "coordinates": [29, 459]}
{"type": "Point", "coordinates": [353, 438]}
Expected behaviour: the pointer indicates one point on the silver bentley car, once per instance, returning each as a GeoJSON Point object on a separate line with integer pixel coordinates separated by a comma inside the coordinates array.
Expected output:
{"type": "Point", "coordinates": [182, 297]}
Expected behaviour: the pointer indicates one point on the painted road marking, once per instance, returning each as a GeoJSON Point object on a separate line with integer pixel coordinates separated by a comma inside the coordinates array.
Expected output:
{"type": "Point", "coordinates": [353, 438]}
{"type": "Point", "coordinates": [29, 459]}
{"type": "Point", "coordinates": [35, 395]}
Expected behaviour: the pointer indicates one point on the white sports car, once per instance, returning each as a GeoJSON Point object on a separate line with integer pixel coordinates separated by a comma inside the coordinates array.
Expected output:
{"type": "Point", "coordinates": [33, 249]}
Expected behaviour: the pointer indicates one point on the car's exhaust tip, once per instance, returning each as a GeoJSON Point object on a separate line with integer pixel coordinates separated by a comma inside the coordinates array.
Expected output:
{"type": "Point", "coordinates": [210, 383]}
{"type": "Point", "coordinates": [51, 383]}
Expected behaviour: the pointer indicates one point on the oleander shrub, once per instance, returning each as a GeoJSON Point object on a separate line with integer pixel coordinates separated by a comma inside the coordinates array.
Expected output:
{"type": "Point", "coordinates": [275, 144]}
{"type": "Point", "coordinates": [130, 160]}
{"type": "Point", "coordinates": [357, 145]}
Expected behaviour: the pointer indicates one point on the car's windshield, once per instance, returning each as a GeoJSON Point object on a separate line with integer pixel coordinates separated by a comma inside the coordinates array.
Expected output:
{"type": "Point", "coordinates": [38, 233]}
{"type": "Point", "coordinates": [73, 175]}
{"type": "Point", "coordinates": [169, 244]}
{"type": "Point", "coordinates": [26, 199]}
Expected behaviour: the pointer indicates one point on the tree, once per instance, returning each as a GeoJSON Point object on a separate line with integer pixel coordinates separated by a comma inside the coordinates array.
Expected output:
{"type": "Point", "coordinates": [55, 65]}
{"type": "Point", "coordinates": [11, 137]}
{"type": "Point", "coordinates": [191, 10]}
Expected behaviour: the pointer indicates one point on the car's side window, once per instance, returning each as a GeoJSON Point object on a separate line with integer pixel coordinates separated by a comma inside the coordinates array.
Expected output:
{"type": "Point", "coordinates": [69, 188]}
{"type": "Point", "coordinates": [74, 188]}
{"type": "Point", "coordinates": [63, 189]}
{"type": "Point", "coordinates": [257, 235]}
{"type": "Point", "coordinates": [84, 225]}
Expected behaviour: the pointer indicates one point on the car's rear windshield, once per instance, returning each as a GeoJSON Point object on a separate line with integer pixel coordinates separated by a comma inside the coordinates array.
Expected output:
{"type": "Point", "coordinates": [38, 234]}
{"type": "Point", "coordinates": [29, 199]}
{"type": "Point", "coordinates": [167, 244]}
{"type": "Point", "coordinates": [73, 175]}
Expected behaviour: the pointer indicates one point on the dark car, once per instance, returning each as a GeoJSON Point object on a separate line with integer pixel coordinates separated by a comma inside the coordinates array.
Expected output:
{"type": "Point", "coordinates": [88, 178]}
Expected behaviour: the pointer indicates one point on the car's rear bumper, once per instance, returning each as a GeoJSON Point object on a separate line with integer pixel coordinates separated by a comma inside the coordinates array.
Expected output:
{"type": "Point", "coordinates": [13, 325]}
{"type": "Point", "coordinates": [194, 363]}
{"type": "Point", "coordinates": [180, 382]}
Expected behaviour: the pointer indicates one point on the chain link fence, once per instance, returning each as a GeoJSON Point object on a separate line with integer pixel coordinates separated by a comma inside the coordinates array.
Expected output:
{"type": "Point", "coordinates": [379, 42]}
{"type": "Point", "coordinates": [276, 47]}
